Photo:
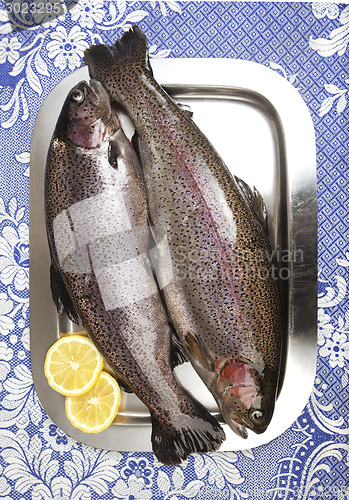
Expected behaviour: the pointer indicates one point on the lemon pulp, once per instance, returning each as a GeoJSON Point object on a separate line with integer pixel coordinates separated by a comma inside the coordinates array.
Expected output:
{"type": "Point", "coordinates": [73, 365]}
{"type": "Point", "coordinates": [96, 409]}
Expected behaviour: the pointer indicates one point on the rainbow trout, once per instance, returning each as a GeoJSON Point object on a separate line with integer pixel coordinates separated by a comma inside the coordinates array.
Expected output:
{"type": "Point", "coordinates": [98, 235]}
{"type": "Point", "coordinates": [223, 299]}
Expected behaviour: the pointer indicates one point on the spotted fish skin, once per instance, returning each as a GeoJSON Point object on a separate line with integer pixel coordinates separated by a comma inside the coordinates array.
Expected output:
{"type": "Point", "coordinates": [223, 300]}
{"type": "Point", "coordinates": [96, 218]}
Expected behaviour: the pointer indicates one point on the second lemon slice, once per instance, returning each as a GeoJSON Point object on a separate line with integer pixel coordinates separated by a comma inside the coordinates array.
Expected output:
{"type": "Point", "coordinates": [95, 410]}
{"type": "Point", "coordinates": [73, 365]}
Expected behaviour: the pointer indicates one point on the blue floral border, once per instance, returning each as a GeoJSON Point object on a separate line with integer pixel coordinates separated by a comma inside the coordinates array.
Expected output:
{"type": "Point", "coordinates": [307, 44]}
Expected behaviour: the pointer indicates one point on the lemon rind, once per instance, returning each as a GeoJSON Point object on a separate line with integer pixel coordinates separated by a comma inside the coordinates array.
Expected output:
{"type": "Point", "coordinates": [113, 412]}
{"type": "Point", "coordinates": [59, 388]}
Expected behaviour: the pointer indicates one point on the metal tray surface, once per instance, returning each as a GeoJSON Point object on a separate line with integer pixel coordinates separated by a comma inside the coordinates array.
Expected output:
{"type": "Point", "coordinates": [263, 130]}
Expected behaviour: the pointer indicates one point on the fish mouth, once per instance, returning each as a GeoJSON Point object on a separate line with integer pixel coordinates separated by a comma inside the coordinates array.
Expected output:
{"type": "Point", "coordinates": [95, 92]}
{"type": "Point", "coordinates": [239, 424]}
{"type": "Point", "coordinates": [96, 95]}
{"type": "Point", "coordinates": [239, 429]}
{"type": "Point", "coordinates": [236, 422]}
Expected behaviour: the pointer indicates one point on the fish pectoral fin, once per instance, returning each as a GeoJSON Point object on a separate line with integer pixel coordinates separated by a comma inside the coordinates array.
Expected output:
{"type": "Point", "coordinates": [121, 149]}
{"type": "Point", "coordinates": [135, 145]}
{"type": "Point", "coordinates": [255, 201]}
{"type": "Point", "coordinates": [60, 295]}
{"type": "Point", "coordinates": [113, 153]}
{"type": "Point", "coordinates": [197, 351]}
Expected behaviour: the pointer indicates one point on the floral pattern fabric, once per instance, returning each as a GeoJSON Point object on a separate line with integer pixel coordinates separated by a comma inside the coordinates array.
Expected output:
{"type": "Point", "coordinates": [307, 43]}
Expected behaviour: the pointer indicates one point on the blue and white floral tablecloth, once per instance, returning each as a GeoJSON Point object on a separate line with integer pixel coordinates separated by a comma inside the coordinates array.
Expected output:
{"type": "Point", "coordinates": [307, 43]}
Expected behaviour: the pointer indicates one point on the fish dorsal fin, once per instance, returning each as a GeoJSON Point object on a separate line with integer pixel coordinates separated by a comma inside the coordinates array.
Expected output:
{"type": "Point", "coordinates": [255, 201]}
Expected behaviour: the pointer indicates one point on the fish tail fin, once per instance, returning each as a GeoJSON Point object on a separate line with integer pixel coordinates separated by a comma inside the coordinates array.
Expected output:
{"type": "Point", "coordinates": [174, 440]}
{"type": "Point", "coordinates": [132, 46]}
{"type": "Point", "coordinates": [131, 49]}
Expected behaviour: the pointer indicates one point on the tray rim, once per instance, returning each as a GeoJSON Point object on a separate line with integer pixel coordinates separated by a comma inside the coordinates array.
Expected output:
{"type": "Point", "coordinates": [250, 77]}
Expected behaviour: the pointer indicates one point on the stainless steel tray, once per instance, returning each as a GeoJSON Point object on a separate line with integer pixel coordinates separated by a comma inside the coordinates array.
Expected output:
{"type": "Point", "coordinates": [263, 130]}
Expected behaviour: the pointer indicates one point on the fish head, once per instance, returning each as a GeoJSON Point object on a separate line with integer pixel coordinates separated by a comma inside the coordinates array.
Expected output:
{"type": "Point", "coordinates": [245, 396]}
{"type": "Point", "coordinates": [88, 118]}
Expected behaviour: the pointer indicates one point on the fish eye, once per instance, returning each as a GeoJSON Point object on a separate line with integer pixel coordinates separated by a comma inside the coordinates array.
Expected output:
{"type": "Point", "coordinates": [256, 415]}
{"type": "Point", "coordinates": [77, 95]}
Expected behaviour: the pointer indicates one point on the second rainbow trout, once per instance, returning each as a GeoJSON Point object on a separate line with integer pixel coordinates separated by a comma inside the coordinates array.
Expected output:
{"type": "Point", "coordinates": [223, 300]}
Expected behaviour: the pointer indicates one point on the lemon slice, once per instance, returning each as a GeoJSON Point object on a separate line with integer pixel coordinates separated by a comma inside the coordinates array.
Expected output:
{"type": "Point", "coordinates": [95, 410]}
{"type": "Point", "coordinates": [73, 365]}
